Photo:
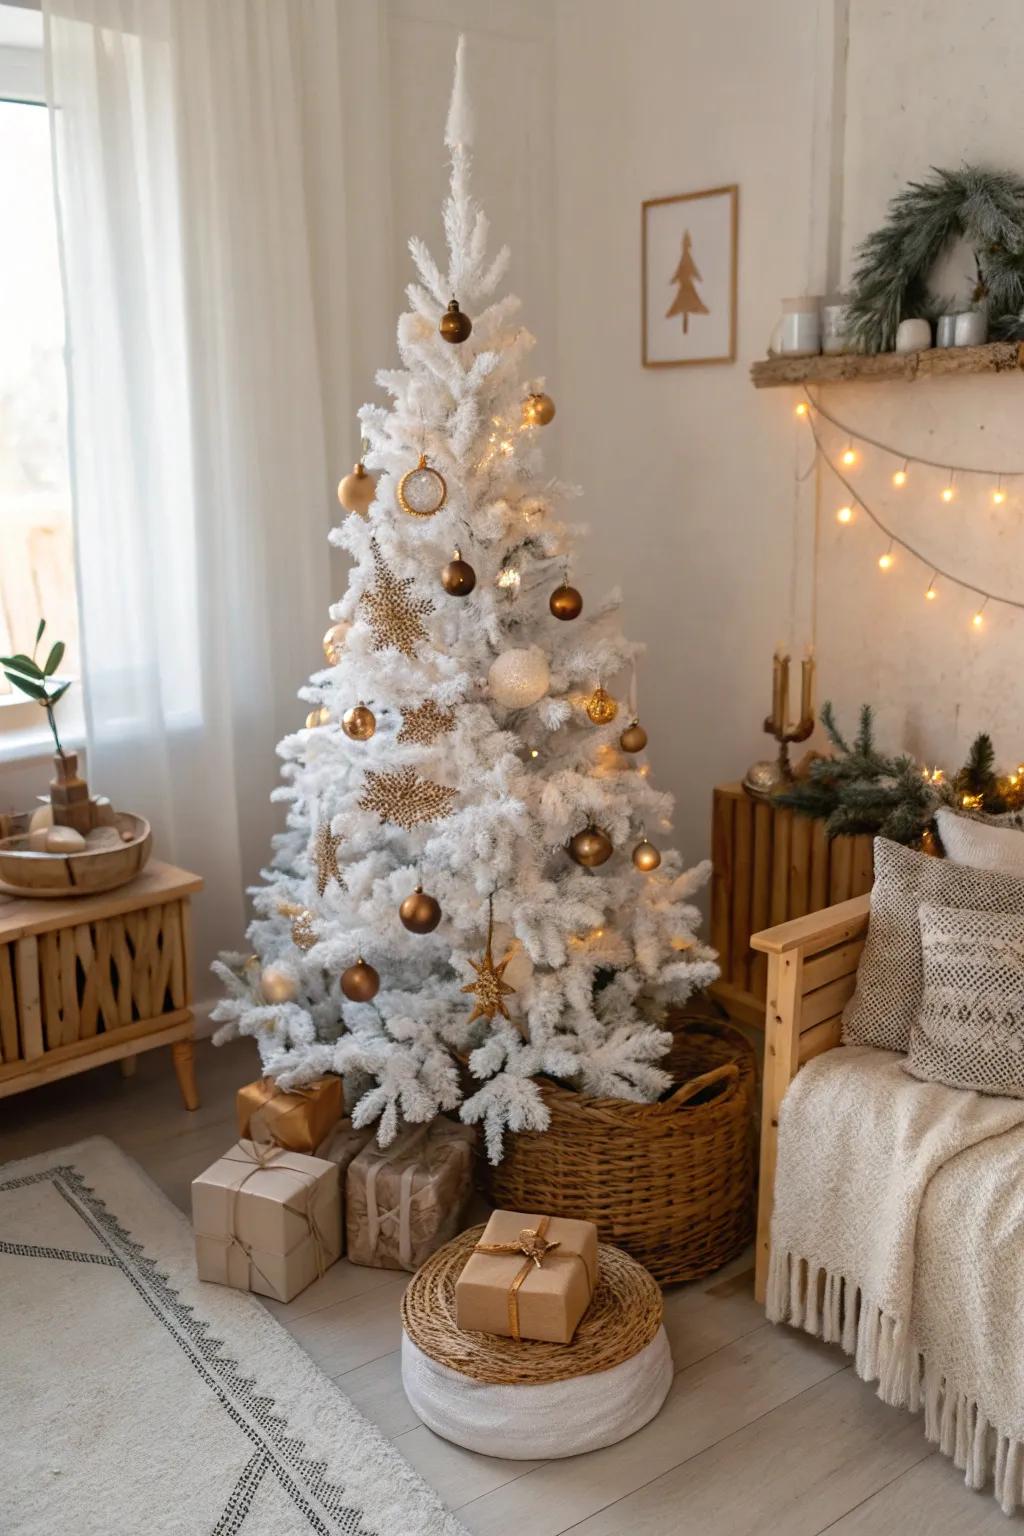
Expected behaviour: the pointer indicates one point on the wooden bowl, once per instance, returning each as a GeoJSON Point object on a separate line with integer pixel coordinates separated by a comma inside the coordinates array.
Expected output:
{"type": "Point", "coordinates": [26, 872]}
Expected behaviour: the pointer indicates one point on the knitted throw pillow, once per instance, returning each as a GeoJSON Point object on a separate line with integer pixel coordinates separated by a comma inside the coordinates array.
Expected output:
{"type": "Point", "coordinates": [970, 1030]}
{"type": "Point", "coordinates": [887, 997]}
{"type": "Point", "coordinates": [983, 842]}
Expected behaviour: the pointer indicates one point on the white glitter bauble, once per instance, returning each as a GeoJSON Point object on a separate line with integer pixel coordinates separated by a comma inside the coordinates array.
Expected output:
{"type": "Point", "coordinates": [519, 678]}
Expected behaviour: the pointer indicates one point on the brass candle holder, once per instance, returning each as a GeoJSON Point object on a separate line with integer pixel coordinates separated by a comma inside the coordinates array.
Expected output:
{"type": "Point", "coordinates": [764, 779]}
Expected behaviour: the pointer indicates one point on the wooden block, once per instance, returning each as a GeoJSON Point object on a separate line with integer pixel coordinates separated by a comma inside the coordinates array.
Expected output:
{"type": "Point", "coordinates": [29, 1006]}
{"type": "Point", "coordinates": [742, 872]}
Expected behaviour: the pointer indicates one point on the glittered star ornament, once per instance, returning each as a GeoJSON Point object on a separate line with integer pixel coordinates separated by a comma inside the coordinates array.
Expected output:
{"type": "Point", "coordinates": [392, 614]}
{"type": "Point", "coordinates": [405, 799]}
{"type": "Point", "coordinates": [325, 857]}
{"type": "Point", "coordinates": [425, 723]}
{"type": "Point", "coordinates": [489, 988]}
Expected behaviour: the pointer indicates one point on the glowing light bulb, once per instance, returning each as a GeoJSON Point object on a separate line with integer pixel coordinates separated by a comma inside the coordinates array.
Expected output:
{"type": "Point", "coordinates": [931, 594]}
{"type": "Point", "coordinates": [509, 579]}
{"type": "Point", "coordinates": [844, 515]}
{"type": "Point", "coordinates": [998, 495]}
{"type": "Point", "coordinates": [948, 493]}
{"type": "Point", "coordinates": [978, 620]}
{"type": "Point", "coordinates": [800, 409]}
{"type": "Point", "coordinates": [899, 479]}
{"type": "Point", "coordinates": [534, 752]}
{"type": "Point", "coordinates": [848, 456]}
{"type": "Point", "coordinates": [885, 561]}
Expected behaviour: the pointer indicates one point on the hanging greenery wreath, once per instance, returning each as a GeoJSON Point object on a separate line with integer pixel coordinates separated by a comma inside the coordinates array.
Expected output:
{"type": "Point", "coordinates": [890, 282]}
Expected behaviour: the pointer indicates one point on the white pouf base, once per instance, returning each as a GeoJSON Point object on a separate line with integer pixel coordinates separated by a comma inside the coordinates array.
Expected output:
{"type": "Point", "coordinates": [560, 1418]}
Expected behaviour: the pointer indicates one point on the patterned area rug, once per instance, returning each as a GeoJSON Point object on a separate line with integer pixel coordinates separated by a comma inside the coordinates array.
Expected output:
{"type": "Point", "coordinates": [135, 1398]}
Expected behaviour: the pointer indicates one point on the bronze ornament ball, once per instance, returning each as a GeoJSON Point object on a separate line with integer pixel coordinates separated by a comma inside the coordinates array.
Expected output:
{"type": "Point", "coordinates": [454, 325]}
{"type": "Point", "coordinates": [538, 410]}
{"type": "Point", "coordinates": [591, 847]}
{"type": "Point", "coordinates": [458, 577]}
{"type": "Point", "coordinates": [633, 738]}
{"type": "Point", "coordinates": [565, 602]}
{"type": "Point", "coordinates": [359, 723]}
{"type": "Point", "coordinates": [277, 985]}
{"type": "Point", "coordinates": [646, 857]}
{"type": "Point", "coordinates": [357, 490]}
{"type": "Point", "coordinates": [419, 912]}
{"type": "Point", "coordinates": [360, 983]}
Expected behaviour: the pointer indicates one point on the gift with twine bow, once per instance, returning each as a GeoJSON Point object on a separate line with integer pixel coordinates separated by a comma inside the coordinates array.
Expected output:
{"type": "Point", "coordinates": [529, 1277]}
{"type": "Point", "coordinates": [266, 1220]}
{"type": "Point", "coordinates": [402, 1202]}
{"type": "Point", "coordinates": [295, 1118]}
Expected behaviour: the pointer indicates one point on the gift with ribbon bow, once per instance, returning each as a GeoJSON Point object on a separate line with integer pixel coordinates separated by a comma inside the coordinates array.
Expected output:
{"type": "Point", "coordinates": [529, 1277]}
{"type": "Point", "coordinates": [298, 1118]}
{"type": "Point", "coordinates": [402, 1202]}
{"type": "Point", "coordinates": [266, 1220]}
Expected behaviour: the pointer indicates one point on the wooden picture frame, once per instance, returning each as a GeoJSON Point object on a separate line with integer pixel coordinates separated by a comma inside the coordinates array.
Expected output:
{"type": "Point", "coordinates": [665, 227]}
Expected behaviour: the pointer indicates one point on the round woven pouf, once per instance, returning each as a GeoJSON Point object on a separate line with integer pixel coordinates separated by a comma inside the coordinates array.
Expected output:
{"type": "Point", "coordinates": [528, 1399]}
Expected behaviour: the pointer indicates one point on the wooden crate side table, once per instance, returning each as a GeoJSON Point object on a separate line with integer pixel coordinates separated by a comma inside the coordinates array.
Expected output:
{"type": "Point", "coordinates": [96, 979]}
{"type": "Point", "coordinates": [770, 865]}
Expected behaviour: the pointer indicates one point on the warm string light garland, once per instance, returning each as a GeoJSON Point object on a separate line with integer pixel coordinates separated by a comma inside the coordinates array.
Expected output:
{"type": "Point", "coordinates": [808, 409]}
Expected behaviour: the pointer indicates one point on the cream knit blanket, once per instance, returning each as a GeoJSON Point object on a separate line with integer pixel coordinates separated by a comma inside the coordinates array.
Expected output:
{"type": "Point", "coordinates": [898, 1232]}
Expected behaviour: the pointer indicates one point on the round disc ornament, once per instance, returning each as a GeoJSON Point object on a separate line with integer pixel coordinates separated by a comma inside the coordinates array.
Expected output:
{"type": "Point", "coordinates": [359, 723]}
{"type": "Point", "coordinates": [419, 912]}
{"type": "Point", "coordinates": [360, 983]}
{"type": "Point", "coordinates": [458, 577]}
{"type": "Point", "coordinates": [519, 678]}
{"type": "Point", "coordinates": [566, 602]}
{"type": "Point", "coordinates": [591, 847]}
{"type": "Point", "coordinates": [601, 707]}
{"type": "Point", "coordinates": [422, 491]}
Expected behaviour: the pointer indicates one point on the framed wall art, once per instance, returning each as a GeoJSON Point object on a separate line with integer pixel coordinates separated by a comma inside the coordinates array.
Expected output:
{"type": "Point", "coordinates": [688, 253]}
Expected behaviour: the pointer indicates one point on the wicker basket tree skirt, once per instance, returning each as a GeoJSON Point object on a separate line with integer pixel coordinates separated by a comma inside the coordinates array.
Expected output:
{"type": "Point", "coordinates": [530, 1400]}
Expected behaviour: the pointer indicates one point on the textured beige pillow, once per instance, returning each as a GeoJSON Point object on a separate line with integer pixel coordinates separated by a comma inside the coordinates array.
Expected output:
{"type": "Point", "coordinates": [992, 843]}
{"type": "Point", "coordinates": [889, 978]}
{"type": "Point", "coordinates": [970, 1030]}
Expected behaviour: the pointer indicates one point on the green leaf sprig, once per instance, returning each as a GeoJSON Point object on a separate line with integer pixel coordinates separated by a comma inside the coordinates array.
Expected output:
{"type": "Point", "coordinates": [38, 682]}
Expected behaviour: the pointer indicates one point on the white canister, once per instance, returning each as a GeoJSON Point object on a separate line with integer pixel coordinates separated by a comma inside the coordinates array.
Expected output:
{"type": "Point", "coordinates": [971, 328]}
{"type": "Point", "coordinates": [913, 336]}
{"type": "Point", "coordinates": [798, 332]}
{"type": "Point", "coordinates": [945, 331]}
{"type": "Point", "coordinates": [833, 326]}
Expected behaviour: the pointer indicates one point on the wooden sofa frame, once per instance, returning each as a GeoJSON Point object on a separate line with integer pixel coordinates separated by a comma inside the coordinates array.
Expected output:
{"type": "Point", "coordinates": [812, 966]}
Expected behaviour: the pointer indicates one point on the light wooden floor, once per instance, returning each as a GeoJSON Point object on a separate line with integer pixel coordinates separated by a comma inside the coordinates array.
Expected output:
{"type": "Point", "coordinates": [765, 1431]}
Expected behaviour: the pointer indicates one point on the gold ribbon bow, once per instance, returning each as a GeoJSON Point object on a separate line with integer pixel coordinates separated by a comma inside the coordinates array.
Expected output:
{"type": "Point", "coordinates": [535, 1247]}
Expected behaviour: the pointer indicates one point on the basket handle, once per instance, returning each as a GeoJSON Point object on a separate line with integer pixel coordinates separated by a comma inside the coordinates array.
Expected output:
{"type": "Point", "coordinates": [728, 1071]}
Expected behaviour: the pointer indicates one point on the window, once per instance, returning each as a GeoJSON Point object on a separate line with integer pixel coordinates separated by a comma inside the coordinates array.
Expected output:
{"type": "Point", "coordinates": [37, 577]}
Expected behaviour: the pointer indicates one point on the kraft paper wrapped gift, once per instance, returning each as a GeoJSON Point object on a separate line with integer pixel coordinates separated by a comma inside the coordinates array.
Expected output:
{"type": "Point", "coordinates": [403, 1202]}
{"type": "Point", "coordinates": [266, 1220]}
{"type": "Point", "coordinates": [342, 1143]}
{"type": "Point", "coordinates": [298, 1119]}
{"type": "Point", "coordinates": [530, 1277]}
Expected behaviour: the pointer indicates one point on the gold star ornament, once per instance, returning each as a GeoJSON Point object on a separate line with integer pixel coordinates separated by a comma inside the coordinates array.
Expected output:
{"type": "Point", "coordinates": [325, 857]}
{"type": "Point", "coordinates": [490, 989]}
{"type": "Point", "coordinates": [391, 612]}
{"type": "Point", "coordinates": [405, 799]}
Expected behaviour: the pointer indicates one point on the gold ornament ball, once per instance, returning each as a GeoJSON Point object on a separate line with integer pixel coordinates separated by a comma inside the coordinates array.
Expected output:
{"type": "Point", "coordinates": [538, 410]}
{"type": "Point", "coordinates": [359, 723]}
{"type": "Point", "coordinates": [454, 325]}
{"type": "Point", "coordinates": [360, 983]}
{"type": "Point", "coordinates": [633, 738]}
{"type": "Point", "coordinates": [458, 577]}
{"type": "Point", "coordinates": [357, 490]}
{"type": "Point", "coordinates": [334, 642]}
{"type": "Point", "coordinates": [318, 716]}
{"type": "Point", "coordinates": [646, 857]}
{"type": "Point", "coordinates": [565, 602]}
{"type": "Point", "coordinates": [277, 985]}
{"type": "Point", "coordinates": [601, 707]}
{"type": "Point", "coordinates": [590, 847]}
{"type": "Point", "coordinates": [419, 912]}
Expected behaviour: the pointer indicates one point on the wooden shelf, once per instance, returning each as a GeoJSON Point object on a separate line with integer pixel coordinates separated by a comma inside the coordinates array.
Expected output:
{"type": "Point", "coordinates": [853, 368]}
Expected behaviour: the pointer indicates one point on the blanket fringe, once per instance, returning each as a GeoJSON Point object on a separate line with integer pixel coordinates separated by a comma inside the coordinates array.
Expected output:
{"type": "Point", "coordinates": [833, 1308]}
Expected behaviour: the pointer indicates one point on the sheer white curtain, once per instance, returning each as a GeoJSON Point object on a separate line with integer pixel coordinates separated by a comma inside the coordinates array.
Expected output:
{"type": "Point", "coordinates": [222, 194]}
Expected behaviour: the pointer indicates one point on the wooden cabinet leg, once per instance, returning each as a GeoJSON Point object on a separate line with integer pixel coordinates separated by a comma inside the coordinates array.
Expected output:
{"type": "Point", "coordinates": [185, 1071]}
{"type": "Point", "coordinates": [128, 1065]}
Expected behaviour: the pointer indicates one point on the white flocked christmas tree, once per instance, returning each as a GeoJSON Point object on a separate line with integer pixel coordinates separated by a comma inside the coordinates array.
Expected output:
{"type": "Point", "coordinates": [483, 762]}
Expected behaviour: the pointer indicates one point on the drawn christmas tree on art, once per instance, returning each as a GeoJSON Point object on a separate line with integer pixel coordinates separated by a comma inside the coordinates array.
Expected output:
{"type": "Point", "coordinates": [687, 301]}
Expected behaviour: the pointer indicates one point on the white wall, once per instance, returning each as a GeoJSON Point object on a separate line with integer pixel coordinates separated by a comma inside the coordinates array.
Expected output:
{"type": "Point", "coordinates": [689, 472]}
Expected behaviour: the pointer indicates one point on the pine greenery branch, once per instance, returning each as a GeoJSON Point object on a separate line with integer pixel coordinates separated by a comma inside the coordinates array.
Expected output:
{"type": "Point", "coordinates": [890, 281]}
